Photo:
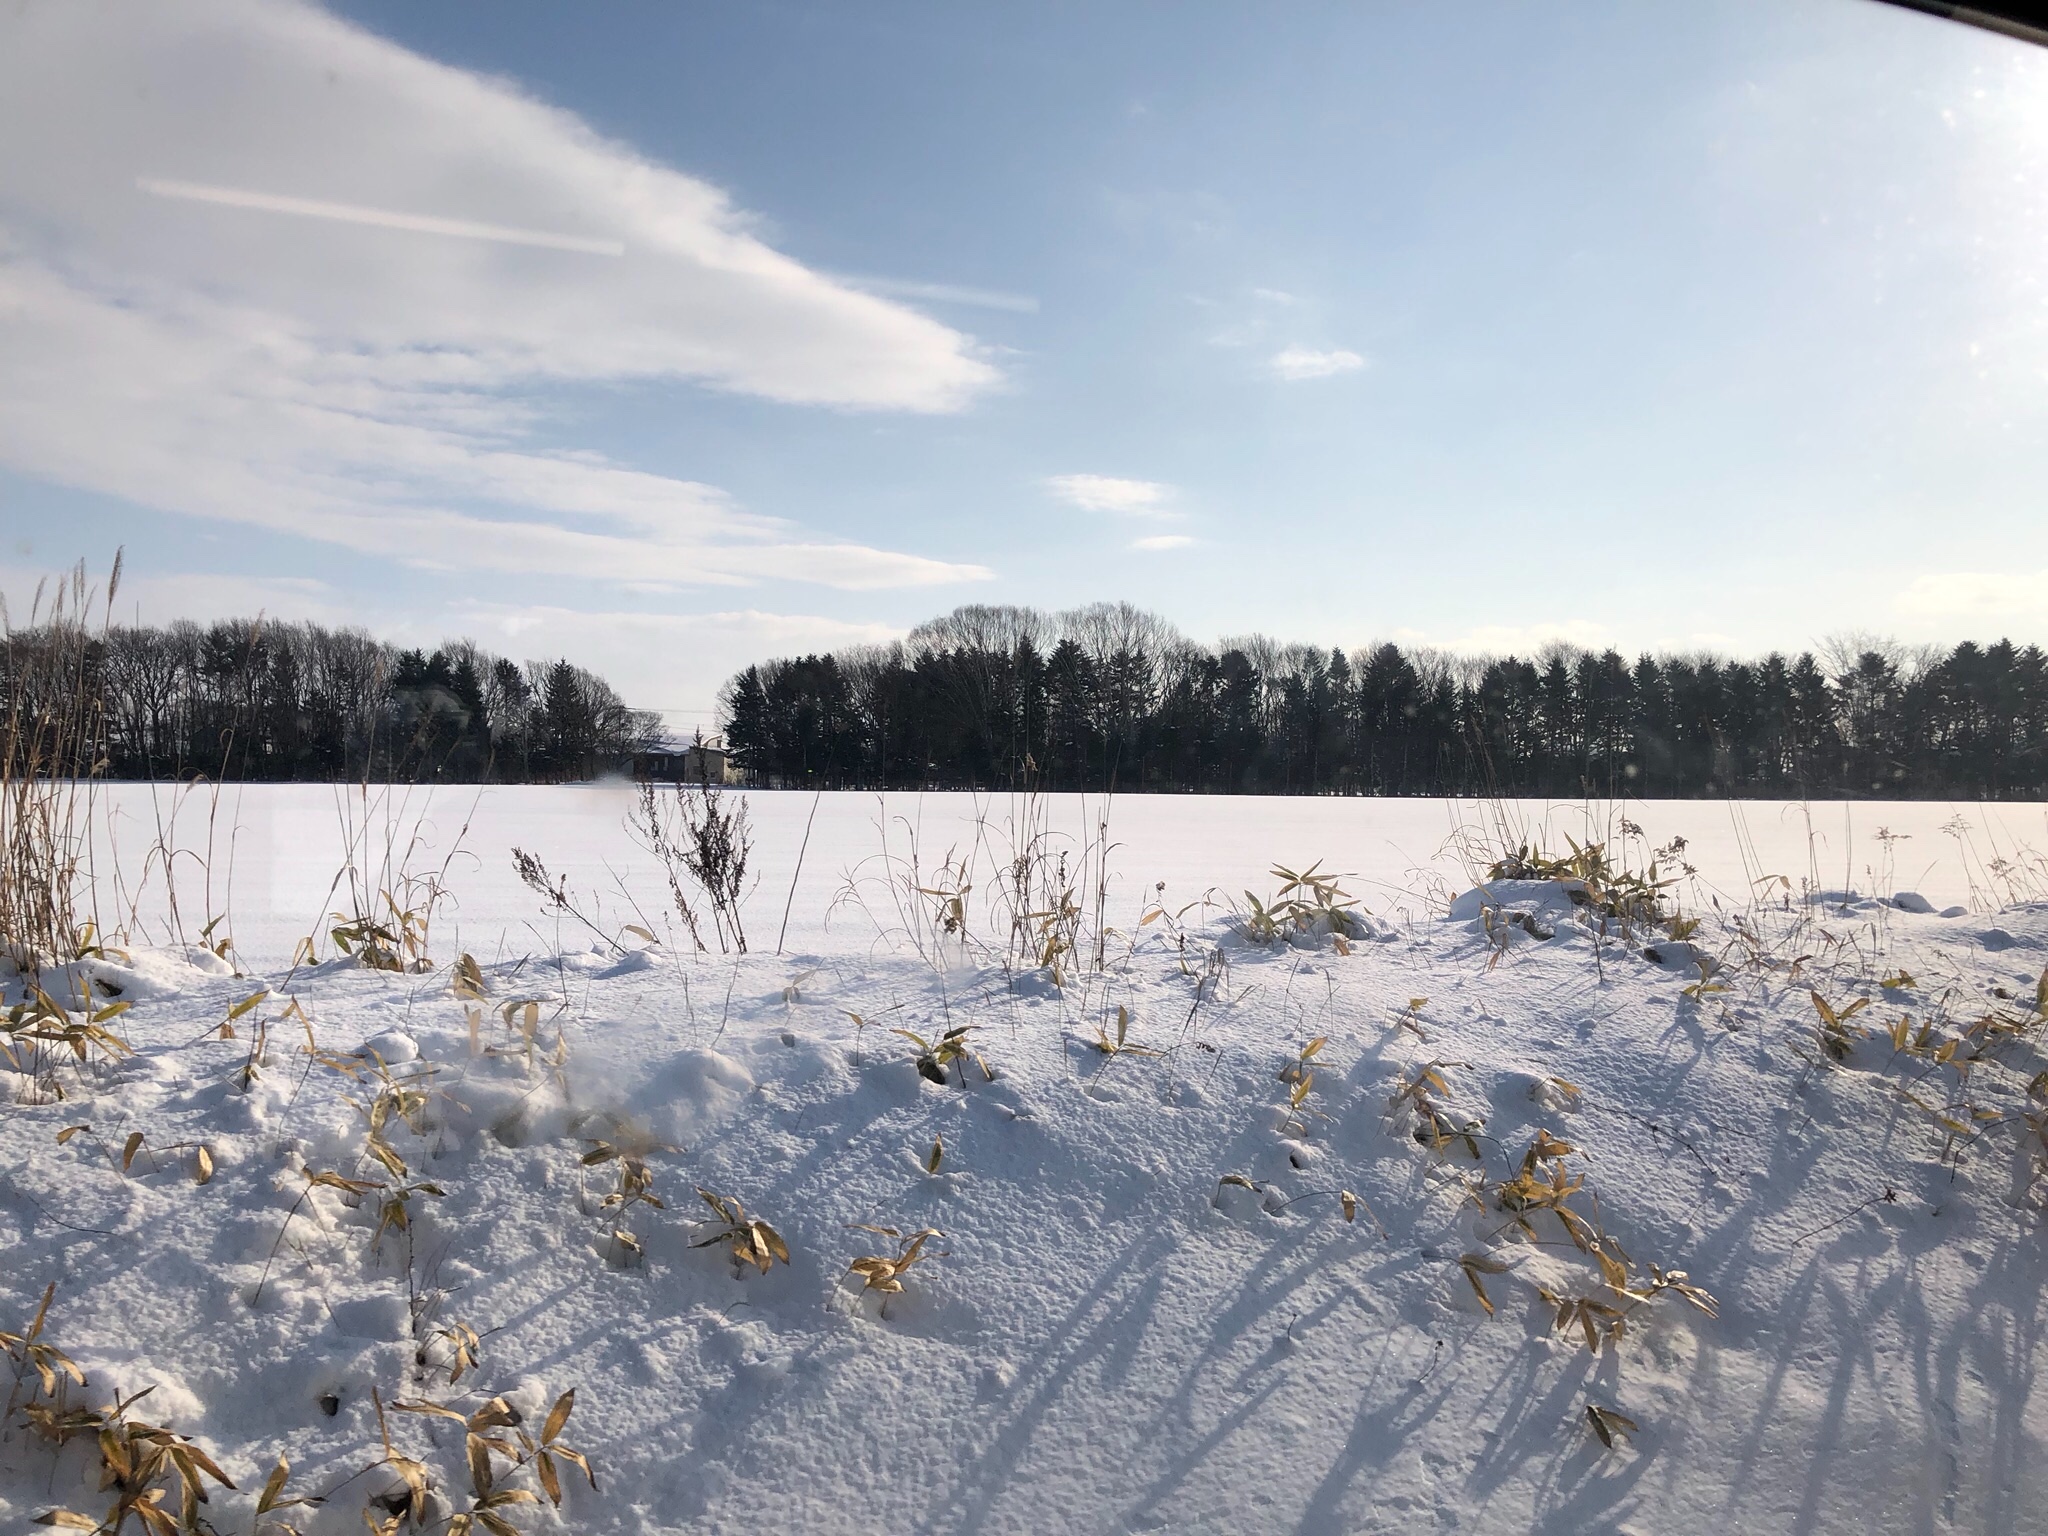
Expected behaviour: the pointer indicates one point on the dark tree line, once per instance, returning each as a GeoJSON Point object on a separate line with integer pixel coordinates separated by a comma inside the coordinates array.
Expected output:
{"type": "Point", "coordinates": [256, 699]}
{"type": "Point", "coordinates": [1112, 698]}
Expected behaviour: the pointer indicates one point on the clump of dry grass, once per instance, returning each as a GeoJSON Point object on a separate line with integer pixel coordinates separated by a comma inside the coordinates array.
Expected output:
{"type": "Point", "coordinates": [1838, 1036]}
{"type": "Point", "coordinates": [751, 1239]}
{"type": "Point", "coordinates": [700, 831]}
{"type": "Point", "coordinates": [1595, 881]}
{"type": "Point", "coordinates": [558, 896]}
{"type": "Point", "coordinates": [1301, 1079]}
{"type": "Point", "coordinates": [485, 1448]}
{"type": "Point", "coordinates": [521, 1018]}
{"type": "Point", "coordinates": [883, 1273]}
{"type": "Point", "coordinates": [36, 1031]}
{"type": "Point", "coordinates": [1306, 903]}
{"type": "Point", "coordinates": [630, 1148]}
{"type": "Point", "coordinates": [936, 1056]}
{"type": "Point", "coordinates": [30, 1351]}
{"type": "Point", "coordinates": [1545, 1183]}
{"type": "Point", "coordinates": [1435, 1127]}
{"type": "Point", "coordinates": [391, 896]}
{"type": "Point", "coordinates": [146, 1466]}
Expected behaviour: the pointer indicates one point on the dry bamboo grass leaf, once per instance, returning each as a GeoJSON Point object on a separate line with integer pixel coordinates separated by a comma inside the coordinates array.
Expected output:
{"type": "Point", "coordinates": [1596, 1321]}
{"type": "Point", "coordinates": [1475, 1265]}
{"type": "Point", "coordinates": [202, 1166]}
{"type": "Point", "coordinates": [272, 1496]}
{"type": "Point", "coordinates": [465, 1348]}
{"type": "Point", "coordinates": [1121, 1045]}
{"type": "Point", "coordinates": [45, 1359]}
{"type": "Point", "coordinates": [1609, 1423]}
{"type": "Point", "coordinates": [1837, 1036]}
{"type": "Point", "coordinates": [551, 1449]}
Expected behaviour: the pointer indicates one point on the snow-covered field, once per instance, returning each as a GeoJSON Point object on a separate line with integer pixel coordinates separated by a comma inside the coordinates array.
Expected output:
{"type": "Point", "coordinates": [1145, 1309]}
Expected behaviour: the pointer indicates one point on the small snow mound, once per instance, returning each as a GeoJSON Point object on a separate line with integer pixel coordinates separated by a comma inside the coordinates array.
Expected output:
{"type": "Point", "coordinates": [1678, 955]}
{"type": "Point", "coordinates": [127, 1373]}
{"type": "Point", "coordinates": [1035, 983]}
{"type": "Point", "coordinates": [140, 975]}
{"type": "Point", "coordinates": [1239, 1201]}
{"type": "Point", "coordinates": [1551, 1094]}
{"type": "Point", "coordinates": [1912, 901]}
{"type": "Point", "coordinates": [379, 1315]}
{"type": "Point", "coordinates": [1365, 926]}
{"type": "Point", "coordinates": [393, 1046]}
{"type": "Point", "coordinates": [691, 1092]}
{"type": "Point", "coordinates": [1545, 896]}
{"type": "Point", "coordinates": [200, 958]}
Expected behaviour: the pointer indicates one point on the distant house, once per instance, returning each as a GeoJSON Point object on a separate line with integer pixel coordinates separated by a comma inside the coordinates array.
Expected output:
{"type": "Point", "coordinates": [673, 760]}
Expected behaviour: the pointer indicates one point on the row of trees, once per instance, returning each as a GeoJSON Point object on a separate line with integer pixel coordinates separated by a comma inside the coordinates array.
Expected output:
{"type": "Point", "coordinates": [259, 699]}
{"type": "Point", "coordinates": [1112, 697]}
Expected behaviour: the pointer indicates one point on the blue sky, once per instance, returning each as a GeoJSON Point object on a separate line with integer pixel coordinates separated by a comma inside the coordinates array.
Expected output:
{"type": "Point", "coordinates": [667, 337]}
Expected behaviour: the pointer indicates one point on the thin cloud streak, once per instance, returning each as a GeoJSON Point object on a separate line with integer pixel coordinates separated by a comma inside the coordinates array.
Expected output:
{"type": "Point", "coordinates": [944, 293]}
{"type": "Point", "coordinates": [379, 218]}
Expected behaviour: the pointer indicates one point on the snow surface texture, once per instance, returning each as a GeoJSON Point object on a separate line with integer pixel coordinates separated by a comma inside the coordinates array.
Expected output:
{"type": "Point", "coordinates": [1147, 1310]}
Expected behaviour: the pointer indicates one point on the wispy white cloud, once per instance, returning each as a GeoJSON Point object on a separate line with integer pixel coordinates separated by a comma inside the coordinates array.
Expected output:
{"type": "Point", "coordinates": [1307, 363]}
{"type": "Point", "coordinates": [1969, 594]}
{"type": "Point", "coordinates": [1163, 541]}
{"type": "Point", "coordinates": [362, 358]}
{"type": "Point", "coordinates": [1108, 493]}
{"type": "Point", "coordinates": [1527, 639]}
{"type": "Point", "coordinates": [158, 597]}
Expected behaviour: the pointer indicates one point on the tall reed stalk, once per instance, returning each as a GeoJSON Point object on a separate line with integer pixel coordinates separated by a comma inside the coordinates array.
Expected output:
{"type": "Point", "coordinates": [52, 751]}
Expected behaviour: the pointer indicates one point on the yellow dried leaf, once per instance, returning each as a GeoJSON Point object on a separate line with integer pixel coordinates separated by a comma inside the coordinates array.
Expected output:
{"type": "Point", "coordinates": [273, 1486]}
{"type": "Point", "coordinates": [558, 1416]}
